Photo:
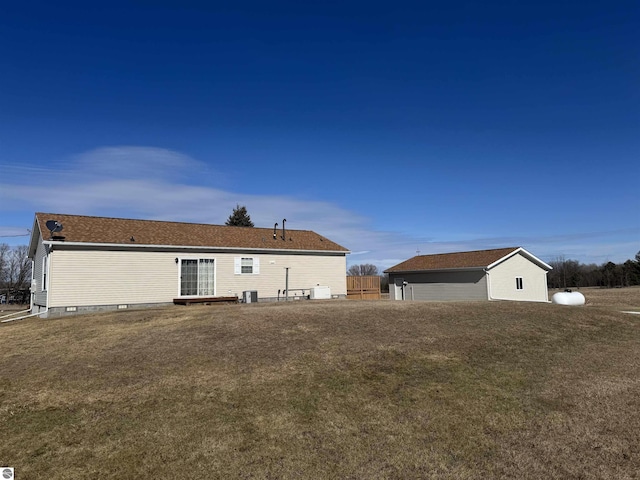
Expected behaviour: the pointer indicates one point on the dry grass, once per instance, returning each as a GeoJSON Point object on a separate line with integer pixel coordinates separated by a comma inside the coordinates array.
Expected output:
{"type": "Point", "coordinates": [324, 390]}
{"type": "Point", "coordinates": [616, 298]}
{"type": "Point", "coordinates": [7, 308]}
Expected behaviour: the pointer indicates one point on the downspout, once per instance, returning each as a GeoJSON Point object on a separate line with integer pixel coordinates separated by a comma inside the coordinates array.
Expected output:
{"type": "Point", "coordinates": [34, 281]}
{"type": "Point", "coordinates": [33, 286]}
{"type": "Point", "coordinates": [24, 316]}
{"type": "Point", "coordinates": [12, 314]}
{"type": "Point", "coordinates": [546, 285]}
{"type": "Point", "coordinates": [488, 284]}
{"type": "Point", "coordinates": [47, 252]}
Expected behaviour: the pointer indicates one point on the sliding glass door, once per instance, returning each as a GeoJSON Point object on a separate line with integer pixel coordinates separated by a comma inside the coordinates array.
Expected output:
{"type": "Point", "coordinates": [197, 277]}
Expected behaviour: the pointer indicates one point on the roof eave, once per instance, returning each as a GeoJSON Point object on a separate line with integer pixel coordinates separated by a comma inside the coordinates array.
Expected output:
{"type": "Point", "coordinates": [33, 242]}
{"type": "Point", "coordinates": [434, 270]}
{"type": "Point", "coordinates": [53, 244]}
{"type": "Point", "coordinates": [527, 254]}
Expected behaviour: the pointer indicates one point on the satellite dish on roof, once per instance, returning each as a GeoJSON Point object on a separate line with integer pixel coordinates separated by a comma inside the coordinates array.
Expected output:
{"type": "Point", "coordinates": [54, 226]}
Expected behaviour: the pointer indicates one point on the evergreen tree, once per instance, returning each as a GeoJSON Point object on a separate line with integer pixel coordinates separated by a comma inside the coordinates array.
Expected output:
{"type": "Point", "coordinates": [239, 218]}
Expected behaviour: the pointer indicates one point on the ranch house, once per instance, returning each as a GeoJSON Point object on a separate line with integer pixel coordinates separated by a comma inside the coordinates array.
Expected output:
{"type": "Point", "coordinates": [86, 263]}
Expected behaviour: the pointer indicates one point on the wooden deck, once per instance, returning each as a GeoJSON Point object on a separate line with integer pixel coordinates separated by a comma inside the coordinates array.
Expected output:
{"type": "Point", "coordinates": [204, 300]}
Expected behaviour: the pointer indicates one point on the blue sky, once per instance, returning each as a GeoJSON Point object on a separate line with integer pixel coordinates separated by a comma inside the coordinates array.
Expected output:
{"type": "Point", "coordinates": [389, 127]}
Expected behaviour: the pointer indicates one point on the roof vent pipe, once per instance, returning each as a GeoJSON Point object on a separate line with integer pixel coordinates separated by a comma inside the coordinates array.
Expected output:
{"type": "Point", "coordinates": [283, 231]}
{"type": "Point", "coordinates": [275, 227]}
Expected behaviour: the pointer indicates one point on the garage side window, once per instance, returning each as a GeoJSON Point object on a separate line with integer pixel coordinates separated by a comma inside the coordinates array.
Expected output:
{"type": "Point", "coordinates": [518, 283]}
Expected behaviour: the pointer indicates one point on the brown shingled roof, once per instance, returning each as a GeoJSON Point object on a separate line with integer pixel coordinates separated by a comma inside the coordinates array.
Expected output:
{"type": "Point", "coordinates": [444, 261]}
{"type": "Point", "coordinates": [85, 229]}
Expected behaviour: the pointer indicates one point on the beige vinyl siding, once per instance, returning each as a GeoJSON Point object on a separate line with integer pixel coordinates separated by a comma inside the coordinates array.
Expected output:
{"type": "Point", "coordinates": [502, 280]}
{"type": "Point", "coordinates": [96, 277]}
{"type": "Point", "coordinates": [85, 277]}
{"type": "Point", "coordinates": [305, 271]}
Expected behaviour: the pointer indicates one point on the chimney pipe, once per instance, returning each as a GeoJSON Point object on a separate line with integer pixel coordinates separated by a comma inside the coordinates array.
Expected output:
{"type": "Point", "coordinates": [275, 227]}
{"type": "Point", "coordinates": [283, 231]}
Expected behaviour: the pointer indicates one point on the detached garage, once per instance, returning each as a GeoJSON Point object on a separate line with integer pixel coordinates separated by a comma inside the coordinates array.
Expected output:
{"type": "Point", "coordinates": [498, 274]}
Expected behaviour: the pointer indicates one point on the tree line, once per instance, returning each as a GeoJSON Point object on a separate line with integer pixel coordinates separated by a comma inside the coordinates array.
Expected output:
{"type": "Point", "coordinates": [15, 274]}
{"type": "Point", "coordinates": [571, 273]}
{"type": "Point", "coordinates": [565, 273]}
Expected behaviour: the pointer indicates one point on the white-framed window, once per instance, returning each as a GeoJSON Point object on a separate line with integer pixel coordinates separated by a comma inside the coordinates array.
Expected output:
{"type": "Point", "coordinates": [519, 283]}
{"type": "Point", "coordinates": [246, 265]}
{"type": "Point", "coordinates": [197, 277]}
{"type": "Point", "coordinates": [45, 267]}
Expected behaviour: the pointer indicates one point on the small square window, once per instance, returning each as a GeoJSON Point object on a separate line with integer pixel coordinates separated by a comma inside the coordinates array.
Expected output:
{"type": "Point", "coordinates": [518, 283]}
{"type": "Point", "coordinates": [246, 266]}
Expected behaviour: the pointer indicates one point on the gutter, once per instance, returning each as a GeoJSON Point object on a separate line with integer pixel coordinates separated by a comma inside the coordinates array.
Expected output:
{"type": "Point", "coordinates": [126, 246]}
{"type": "Point", "coordinates": [486, 271]}
{"type": "Point", "coordinates": [435, 270]}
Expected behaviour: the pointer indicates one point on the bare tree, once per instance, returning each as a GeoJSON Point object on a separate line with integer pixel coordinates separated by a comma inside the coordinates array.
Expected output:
{"type": "Point", "coordinates": [15, 273]}
{"type": "Point", "coordinates": [4, 261]}
{"type": "Point", "coordinates": [362, 270]}
{"type": "Point", "coordinates": [565, 273]}
{"type": "Point", "coordinates": [609, 273]}
{"type": "Point", "coordinates": [19, 271]}
{"type": "Point", "coordinates": [630, 273]}
{"type": "Point", "coordinates": [384, 283]}
{"type": "Point", "coordinates": [557, 277]}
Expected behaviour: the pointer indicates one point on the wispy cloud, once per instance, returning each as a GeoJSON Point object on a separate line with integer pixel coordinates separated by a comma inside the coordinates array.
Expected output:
{"type": "Point", "coordinates": [12, 232]}
{"type": "Point", "coordinates": [155, 183]}
{"type": "Point", "coordinates": [133, 162]}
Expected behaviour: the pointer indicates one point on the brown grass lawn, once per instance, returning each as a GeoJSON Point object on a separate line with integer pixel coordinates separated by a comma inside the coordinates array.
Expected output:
{"type": "Point", "coordinates": [324, 390]}
{"type": "Point", "coordinates": [616, 298]}
{"type": "Point", "coordinates": [7, 308]}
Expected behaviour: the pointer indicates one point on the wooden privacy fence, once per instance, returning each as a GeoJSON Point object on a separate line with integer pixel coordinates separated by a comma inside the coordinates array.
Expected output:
{"type": "Point", "coordinates": [363, 288]}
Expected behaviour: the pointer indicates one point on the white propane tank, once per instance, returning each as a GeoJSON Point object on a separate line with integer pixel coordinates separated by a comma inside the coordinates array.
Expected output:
{"type": "Point", "coordinates": [568, 298]}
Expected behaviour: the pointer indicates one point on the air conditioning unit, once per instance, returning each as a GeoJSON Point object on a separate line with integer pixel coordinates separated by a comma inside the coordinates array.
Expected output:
{"type": "Point", "coordinates": [250, 296]}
